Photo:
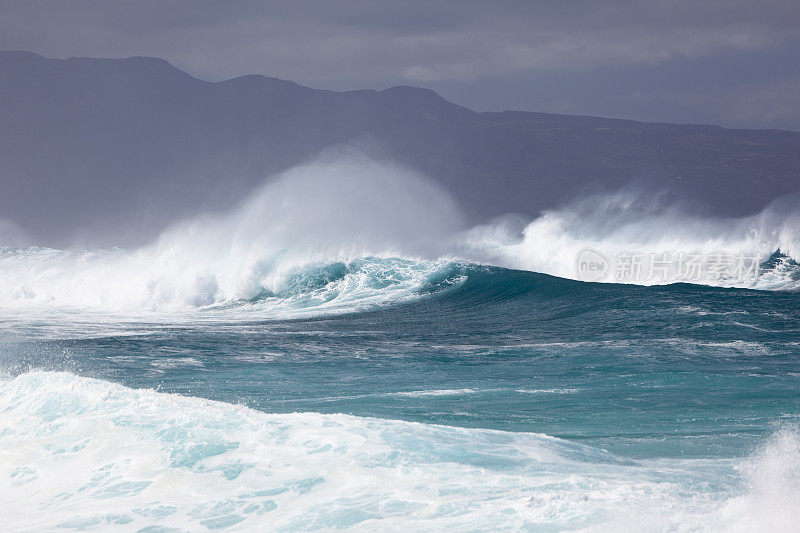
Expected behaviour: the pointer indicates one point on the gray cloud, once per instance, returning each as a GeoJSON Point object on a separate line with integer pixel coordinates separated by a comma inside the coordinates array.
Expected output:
{"type": "Point", "coordinates": [455, 47]}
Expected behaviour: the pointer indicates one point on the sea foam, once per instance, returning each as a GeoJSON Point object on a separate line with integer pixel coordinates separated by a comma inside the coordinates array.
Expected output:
{"type": "Point", "coordinates": [343, 233]}
{"type": "Point", "coordinates": [80, 453]}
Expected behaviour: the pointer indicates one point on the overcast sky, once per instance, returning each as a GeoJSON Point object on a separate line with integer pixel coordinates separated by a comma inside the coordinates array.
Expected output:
{"type": "Point", "coordinates": [728, 62]}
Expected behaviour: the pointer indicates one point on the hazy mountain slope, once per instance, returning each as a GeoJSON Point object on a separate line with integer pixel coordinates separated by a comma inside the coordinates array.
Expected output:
{"type": "Point", "coordinates": [119, 147]}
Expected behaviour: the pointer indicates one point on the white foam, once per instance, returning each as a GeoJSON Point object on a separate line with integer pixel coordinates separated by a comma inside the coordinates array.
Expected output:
{"type": "Point", "coordinates": [396, 227]}
{"type": "Point", "coordinates": [79, 452]}
{"type": "Point", "coordinates": [334, 210]}
{"type": "Point", "coordinates": [547, 391]}
{"type": "Point", "coordinates": [435, 392]}
{"type": "Point", "coordinates": [659, 238]}
{"type": "Point", "coordinates": [764, 497]}
{"type": "Point", "coordinates": [772, 499]}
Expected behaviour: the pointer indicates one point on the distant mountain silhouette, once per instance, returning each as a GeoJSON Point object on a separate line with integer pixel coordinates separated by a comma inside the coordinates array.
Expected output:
{"type": "Point", "coordinates": [125, 145]}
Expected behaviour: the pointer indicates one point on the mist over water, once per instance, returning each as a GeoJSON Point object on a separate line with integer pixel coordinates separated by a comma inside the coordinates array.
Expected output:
{"type": "Point", "coordinates": [638, 225]}
{"type": "Point", "coordinates": [329, 211]}
{"type": "Point", "coordinates": [340, 219]}
{"type": "Point", "coordinates": [12, 235]}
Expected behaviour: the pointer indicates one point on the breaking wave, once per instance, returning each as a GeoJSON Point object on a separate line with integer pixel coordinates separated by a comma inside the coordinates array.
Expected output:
{"type": "Point", "coordinates": [343, 234]}
{"type": "Point", "coordinates": [635, 238]}
{"type": "Point", "coordinates": [81, 453]}
{"type": "Point", "coordinates": [321, 235]}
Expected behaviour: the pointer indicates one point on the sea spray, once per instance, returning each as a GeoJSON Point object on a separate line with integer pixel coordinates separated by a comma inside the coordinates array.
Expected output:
{"type": "Point", "coordinates": [646, 242]}
{"type": "Point", "coordinates": [390, 228]}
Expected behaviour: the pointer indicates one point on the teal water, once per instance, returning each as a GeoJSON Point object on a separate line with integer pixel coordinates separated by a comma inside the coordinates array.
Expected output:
{"type": "Point", "coordinates": [483, 398]}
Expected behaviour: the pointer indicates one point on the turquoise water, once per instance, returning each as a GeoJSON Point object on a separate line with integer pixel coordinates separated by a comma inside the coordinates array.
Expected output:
{"type": "Point", "coordinates": [474, 397]}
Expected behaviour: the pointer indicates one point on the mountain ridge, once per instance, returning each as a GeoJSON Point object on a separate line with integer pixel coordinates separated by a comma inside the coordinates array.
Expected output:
{"type": "Point", "coordinates": [253, 76]}
{"type": "Point", "coordinates": [131, 144]}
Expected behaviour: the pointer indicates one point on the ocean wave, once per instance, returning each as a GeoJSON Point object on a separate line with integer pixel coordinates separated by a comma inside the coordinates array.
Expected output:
{"type": "Point", "coordinates": [307, 239]}
{"type": "Point", "coordinates": [87, 293]}
{"type": "Point", "coordinates": [80, 453]}
{"type": "Point", "coordinates": [342, 235]}
{"type": "Point", "coordinates": [641, 238]}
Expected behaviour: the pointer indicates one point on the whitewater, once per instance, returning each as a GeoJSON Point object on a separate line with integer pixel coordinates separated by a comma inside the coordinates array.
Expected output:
{"type": "Point", "coordinates": [343, 350]}
{"type": "Point", "coordinates": [347, 214]}
{"type": "Point", "coordinates": [129, 458]}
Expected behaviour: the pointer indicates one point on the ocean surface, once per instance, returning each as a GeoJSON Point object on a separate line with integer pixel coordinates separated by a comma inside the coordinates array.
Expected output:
{"type": "Point", "coordinates": [226, 378]}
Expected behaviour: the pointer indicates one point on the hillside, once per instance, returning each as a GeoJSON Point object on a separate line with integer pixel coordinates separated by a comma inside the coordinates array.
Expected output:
{"type": "Point", "coordinates": [130, 144]}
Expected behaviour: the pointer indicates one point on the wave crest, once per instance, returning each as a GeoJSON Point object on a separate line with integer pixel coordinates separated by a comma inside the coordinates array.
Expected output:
{"type": "Point", "coordinates": [345, 232]}
{"type": "Point", "coordinates": [312, 218]}
{"type": "Point", "coordinates": [633, 238]}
